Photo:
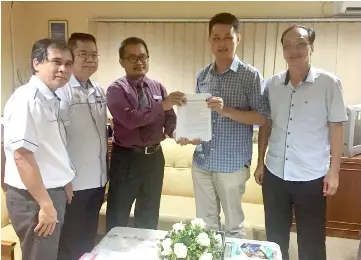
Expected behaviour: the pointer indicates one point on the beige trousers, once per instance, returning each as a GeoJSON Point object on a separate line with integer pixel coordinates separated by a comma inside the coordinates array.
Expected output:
{"type": "Point", "coordinates": [215, 189]}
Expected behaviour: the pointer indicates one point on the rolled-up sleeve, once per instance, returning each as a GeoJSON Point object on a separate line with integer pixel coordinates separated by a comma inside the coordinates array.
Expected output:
{"type": "Point", "coordinates": [129, 117]}
{"type": "Point", "coordinates": [23, 125]}
{"type": "Point", "coordinates": [336, 109]}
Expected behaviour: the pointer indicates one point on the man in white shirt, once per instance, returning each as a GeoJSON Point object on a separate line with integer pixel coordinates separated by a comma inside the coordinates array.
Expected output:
{"type": "Point", "coordinates": [83, 111]}
{"type": "Point", "coordinates": [38, 169]}
{"type": "Point", "coordinates": [306, 112]}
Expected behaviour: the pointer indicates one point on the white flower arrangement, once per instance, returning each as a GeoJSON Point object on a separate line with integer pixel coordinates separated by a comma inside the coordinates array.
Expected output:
{"type": "Point", "coordinates": [191, 241]}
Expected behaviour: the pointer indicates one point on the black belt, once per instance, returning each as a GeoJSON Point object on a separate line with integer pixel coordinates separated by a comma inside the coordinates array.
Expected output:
{"type": "Point", "coordinates": [146, 150]}
{"type": "Point", "coordinates": [142, 150]}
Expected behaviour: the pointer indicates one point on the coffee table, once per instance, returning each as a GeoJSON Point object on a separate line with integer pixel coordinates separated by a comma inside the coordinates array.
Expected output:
{"type": "Point", "coordinates": [134, 243]}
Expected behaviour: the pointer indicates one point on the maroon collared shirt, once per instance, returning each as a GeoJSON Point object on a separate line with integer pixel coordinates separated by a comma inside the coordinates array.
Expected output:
{"type": "Point", "coordinates": [134, 126]}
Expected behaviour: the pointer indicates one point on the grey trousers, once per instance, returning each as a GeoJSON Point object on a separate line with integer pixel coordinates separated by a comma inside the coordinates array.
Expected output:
{"type": "Point", "coordinates": [23, 212]}
{"type": "Point", "coordinates": [215, 189]}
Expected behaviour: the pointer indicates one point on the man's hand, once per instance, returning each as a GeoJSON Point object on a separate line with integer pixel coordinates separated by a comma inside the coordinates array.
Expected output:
{"type": "Point", "coordinates": [258, 174]}
{"type": "Point", "coordinates": [174, 99]}
{"type": "Point", "coordinates": [184, 141]}
{"type": "Point", "coordinates": [330, 183]}
{"type": "Point", "coordinates": [216, 104]}
{"type": "Point", "coordinates": [47, 220]}
{"type": "Point", "coordinates": [69, 192]}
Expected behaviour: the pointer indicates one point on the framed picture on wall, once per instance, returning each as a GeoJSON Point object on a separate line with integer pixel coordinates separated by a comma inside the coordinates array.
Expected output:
{"type": "Point", "coordinates": [58, 30]}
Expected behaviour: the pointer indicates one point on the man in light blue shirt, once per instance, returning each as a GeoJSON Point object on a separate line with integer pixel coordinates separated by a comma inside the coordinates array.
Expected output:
{"type": "Point", "coordinates": [221, 166]}
{"type": "Point", "coordinates": [306, 112]}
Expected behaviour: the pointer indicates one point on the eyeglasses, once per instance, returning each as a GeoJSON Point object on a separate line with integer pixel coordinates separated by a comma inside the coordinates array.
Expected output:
{"type": "Point", "coordinates": [297, 45]}
{"type": "Point", "coordinates": [134, 59]}
{"type": "Point", "coordinates": [85, 56]}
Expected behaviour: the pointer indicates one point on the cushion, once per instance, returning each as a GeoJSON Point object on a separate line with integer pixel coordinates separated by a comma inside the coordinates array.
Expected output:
{"type": "Point", "coordinates": [177, 156]}
{"type": "Point", "coordinates": [178, 175]}
{"type": "Point", "coordinates": [178, 182]}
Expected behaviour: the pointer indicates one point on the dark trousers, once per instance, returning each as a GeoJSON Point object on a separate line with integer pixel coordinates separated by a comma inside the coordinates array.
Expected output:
{"type": "Point", "coordinates": [24, 212]}
{"type": "Point", "coordinates": [80, 224]}
{"type": "Point", "coordinates": [134, 176]}
{"type": "Point", "coordinates": [309, 204]}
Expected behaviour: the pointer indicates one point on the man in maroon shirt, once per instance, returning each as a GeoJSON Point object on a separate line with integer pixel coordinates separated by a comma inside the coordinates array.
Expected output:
{"type": "Point", "coordinates": [142, 115]}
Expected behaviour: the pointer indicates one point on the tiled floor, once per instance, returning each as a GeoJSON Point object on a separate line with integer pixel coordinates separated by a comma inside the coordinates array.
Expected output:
{"type": "Point", "coordinates": [337, 248]}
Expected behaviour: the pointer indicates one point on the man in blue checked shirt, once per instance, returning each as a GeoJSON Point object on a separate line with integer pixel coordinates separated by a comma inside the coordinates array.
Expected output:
{"type": "Point", "coordinates": [221, 166]}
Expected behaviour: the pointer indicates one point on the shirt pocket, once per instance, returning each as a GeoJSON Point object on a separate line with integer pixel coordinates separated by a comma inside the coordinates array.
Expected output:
{"type": "Point", "coordinates": [311, 110]}
{"type": "Point", "coordinates": [208, 85]}
{"type": "Point", "coordinates": [100, 104]}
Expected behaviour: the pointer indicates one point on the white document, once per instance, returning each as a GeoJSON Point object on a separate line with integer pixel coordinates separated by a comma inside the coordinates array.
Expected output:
{"type": "Point", "coordinates": [194, 119]}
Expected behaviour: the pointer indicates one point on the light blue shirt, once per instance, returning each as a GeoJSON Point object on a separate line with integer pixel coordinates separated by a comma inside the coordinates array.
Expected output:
{"type": "Point", "coordinates": [299, 147]}
{"type": "Point", "coordinates": [241, 88]}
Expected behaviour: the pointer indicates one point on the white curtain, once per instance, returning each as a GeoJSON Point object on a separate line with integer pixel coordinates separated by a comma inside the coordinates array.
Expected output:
{"type": "Point", "coordinates": [179, 50]}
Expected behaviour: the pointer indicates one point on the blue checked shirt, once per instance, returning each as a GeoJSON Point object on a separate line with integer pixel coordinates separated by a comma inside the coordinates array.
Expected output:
{"type": "Point", "coordinates": [241, 88]}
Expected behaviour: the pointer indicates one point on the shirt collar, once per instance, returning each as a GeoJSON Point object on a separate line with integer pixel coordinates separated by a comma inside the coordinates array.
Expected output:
{"type": "Point", "coordinates": [310, 77]}
{"type": "Point", "coordinates": [44, 89]}
{"type": "Point", "coordinates": [234, 66]}
{"type": "Point", "coordinates": [138, 82]}
{"type": "Point", "coordinates": [75, 83]}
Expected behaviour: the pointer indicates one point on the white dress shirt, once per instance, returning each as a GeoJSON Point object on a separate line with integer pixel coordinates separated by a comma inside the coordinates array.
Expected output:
{"type": "Point", "coordinates": [31, 121]}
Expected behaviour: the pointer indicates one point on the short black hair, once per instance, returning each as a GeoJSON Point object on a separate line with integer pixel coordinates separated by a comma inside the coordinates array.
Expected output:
{"type": "Point", "coordinates": [310, 32]}
{"type": "Point", "coordinates": [40, 50]}
{"type": "Point", "coordinates": [224, 18]}
{"type": "Point", "coordinates": [84, 37]}
{"type": "Point", "coordinates": [131, 41]}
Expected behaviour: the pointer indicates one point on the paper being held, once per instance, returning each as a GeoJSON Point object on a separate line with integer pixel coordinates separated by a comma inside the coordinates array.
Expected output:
{"type": "Point", "coordinates": [194, 119]}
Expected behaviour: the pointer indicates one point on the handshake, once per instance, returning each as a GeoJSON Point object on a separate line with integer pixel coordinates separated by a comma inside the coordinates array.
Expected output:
{"type": "Point", "coordinates": [184, 141]}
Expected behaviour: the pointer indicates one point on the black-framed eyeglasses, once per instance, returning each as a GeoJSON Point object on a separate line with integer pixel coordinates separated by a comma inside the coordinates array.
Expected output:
{"type": "Point", "coordinates": [134, 59]}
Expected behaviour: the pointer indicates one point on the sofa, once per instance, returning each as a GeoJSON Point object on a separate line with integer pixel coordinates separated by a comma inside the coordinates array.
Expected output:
{"type": "Point", "coordinates": [178, 203]}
